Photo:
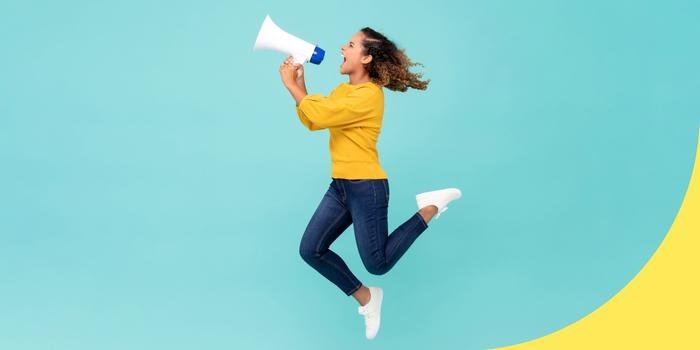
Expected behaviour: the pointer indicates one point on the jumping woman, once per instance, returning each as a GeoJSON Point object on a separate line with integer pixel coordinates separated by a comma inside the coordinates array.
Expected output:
{"type": "Point", "coordinates": [359, 191]}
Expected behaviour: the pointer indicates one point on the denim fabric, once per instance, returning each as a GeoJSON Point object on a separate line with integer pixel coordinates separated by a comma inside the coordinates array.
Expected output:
{"type": "Point", "coordinates": [364, 204]}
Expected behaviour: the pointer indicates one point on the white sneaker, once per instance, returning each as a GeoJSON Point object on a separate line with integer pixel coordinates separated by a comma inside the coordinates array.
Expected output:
{"type": "Point", "coordinates": [372, 312]}
{"type": "Point", "coordinates": [438, 198]}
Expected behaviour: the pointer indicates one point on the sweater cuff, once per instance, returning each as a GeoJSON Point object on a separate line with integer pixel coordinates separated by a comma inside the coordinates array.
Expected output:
{"type": "Point", "coordinates": [302, 101]}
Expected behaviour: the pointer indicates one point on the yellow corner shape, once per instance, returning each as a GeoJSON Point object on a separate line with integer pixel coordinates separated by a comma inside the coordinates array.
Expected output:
{"type": "Point", "coordinates": [660, 307]}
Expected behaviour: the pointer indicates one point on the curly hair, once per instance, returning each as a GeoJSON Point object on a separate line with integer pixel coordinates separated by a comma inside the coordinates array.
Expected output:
{"type": "Point", "coordinates": [390, 65]}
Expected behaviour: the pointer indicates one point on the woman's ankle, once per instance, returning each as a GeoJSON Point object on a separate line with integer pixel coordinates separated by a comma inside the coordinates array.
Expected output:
{"type": "Point", "coordinates": [428, 212]}
{"type": "Point", "coordinates": [362, 295]}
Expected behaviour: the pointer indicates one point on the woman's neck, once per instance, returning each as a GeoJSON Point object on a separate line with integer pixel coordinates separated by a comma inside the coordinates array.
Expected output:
{"type": "Point", "coordinates": [359, 77]}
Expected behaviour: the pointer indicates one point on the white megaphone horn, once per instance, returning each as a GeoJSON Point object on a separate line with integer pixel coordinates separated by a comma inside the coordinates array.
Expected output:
{"type": "Point", "coordinates": [273, 37]}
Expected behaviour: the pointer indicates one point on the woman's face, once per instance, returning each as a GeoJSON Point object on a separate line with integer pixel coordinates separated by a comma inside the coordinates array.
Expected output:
{"type": "Point", "coordinates": [353, 59]}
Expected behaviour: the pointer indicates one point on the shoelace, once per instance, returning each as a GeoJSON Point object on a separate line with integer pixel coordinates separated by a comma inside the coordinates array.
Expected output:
{"type": "Point", "coordinates": [364, 311]}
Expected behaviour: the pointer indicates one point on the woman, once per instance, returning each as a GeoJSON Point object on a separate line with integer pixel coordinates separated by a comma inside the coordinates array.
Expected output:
{"type": "Point", "coordinates": [359, 191]}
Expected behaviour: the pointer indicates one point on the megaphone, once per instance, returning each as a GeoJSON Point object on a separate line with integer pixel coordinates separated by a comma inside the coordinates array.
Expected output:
{"type": "Point", "coordinates": [273, 37]}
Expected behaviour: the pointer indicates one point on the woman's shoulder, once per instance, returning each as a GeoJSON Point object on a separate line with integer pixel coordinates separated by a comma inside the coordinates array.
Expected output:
{"type": "Point", "coordinates": [365, 89]}
{"type": "Point", "coordinates": [370, 84]}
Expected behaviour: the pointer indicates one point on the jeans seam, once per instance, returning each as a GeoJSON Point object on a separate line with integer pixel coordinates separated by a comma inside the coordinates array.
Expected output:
{"type": "Point", "coordinates": [401, 241]}
{"type": "Point", "coordinates": [339, 202]}
{"type": "Point", "coordinates": [340, 190]}
{"type": "Point", "coordinates": [343, 194]}
{"type": "Point", "coordinates": [374, 191]}
{"type": "Point", "coordinates": [328, 230]}
{"type": "Point", "coordinates": [376, 232]}
{"type": "Point", "coordinates": [337, 268]}
{"type": "Point", "coordinates": [323, 238]}
{"type": "Point", "coordinates": [386, 192]}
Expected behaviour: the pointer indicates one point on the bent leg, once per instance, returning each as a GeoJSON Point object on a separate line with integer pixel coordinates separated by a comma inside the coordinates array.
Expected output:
{"type": "Point", "coordinates": [379, 250]}
{"type": "Point", "coordinates": [329, 220]}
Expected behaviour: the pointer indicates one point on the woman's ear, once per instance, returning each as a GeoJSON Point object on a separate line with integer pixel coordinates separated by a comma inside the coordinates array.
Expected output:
{"type": "Point", "coordinates": [366, 59]}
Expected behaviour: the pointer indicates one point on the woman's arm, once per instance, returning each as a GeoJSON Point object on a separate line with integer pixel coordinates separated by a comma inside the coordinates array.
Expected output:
{"type": "Point", "coordinates": [298, 92]}
{"type": "Point", "coordinates": [300, 78]}
{"type": "Point", "coordinates": [360, 106]}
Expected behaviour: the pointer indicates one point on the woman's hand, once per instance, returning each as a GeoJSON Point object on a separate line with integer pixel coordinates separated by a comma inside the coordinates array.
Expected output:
{"type": "Point", "coordinates": [300, 75]}
{"type": "Point", "coordinates": [293, 78]}
{"type": "Point", "coordinates": [291, 73]}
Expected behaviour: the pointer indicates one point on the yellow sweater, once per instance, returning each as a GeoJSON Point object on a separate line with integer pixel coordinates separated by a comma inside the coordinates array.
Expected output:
{"type": "Point", "coordinates": [353, 116]}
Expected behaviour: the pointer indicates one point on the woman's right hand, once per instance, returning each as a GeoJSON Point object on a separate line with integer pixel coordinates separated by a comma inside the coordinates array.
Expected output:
{"type": "Point", "coordinates": [299, 70]}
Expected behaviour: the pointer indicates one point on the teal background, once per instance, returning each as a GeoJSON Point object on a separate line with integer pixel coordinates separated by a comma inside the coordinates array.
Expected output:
{"type": "Point", "coordinates": [155, 180]}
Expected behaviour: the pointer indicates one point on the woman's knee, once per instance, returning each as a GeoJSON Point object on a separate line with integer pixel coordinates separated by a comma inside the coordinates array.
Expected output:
{"type": "Point", "coordinates": [307, 252]}
{"type": "Point", "coordinates": [376, 268]}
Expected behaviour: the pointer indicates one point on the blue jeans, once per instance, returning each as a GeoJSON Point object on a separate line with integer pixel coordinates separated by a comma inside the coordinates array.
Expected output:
{"type": "Point", "coordinates": [364, 204]}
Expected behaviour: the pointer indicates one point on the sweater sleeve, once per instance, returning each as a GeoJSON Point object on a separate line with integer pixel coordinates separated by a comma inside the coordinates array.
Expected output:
{"type": "Point", "coordinates": [318, 112]}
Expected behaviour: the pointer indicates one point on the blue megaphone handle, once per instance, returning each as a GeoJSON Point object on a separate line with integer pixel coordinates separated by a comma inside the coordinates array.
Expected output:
{"type": "Point", "coordinates": [317, 56]}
